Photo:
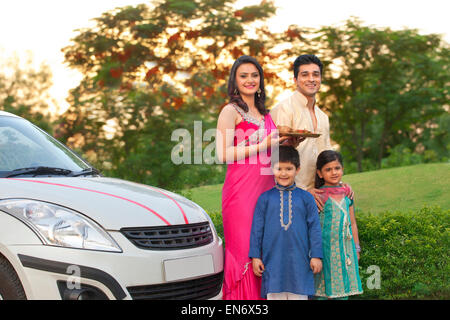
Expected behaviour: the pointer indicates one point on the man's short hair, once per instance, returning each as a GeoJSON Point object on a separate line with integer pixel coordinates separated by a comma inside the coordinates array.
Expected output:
{"type": "Point", "coordinates": [286, 154]}
{"type": "Point", "coordinates": [306, 59]}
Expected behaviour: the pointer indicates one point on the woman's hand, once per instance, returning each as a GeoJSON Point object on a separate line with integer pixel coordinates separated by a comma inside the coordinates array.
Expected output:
{"type": "Point", "coordinates": [258, 267]}
{"type": "Point", "coordinates": [272, 139]}
{"type": "Point", "coordinates": [292, 140]}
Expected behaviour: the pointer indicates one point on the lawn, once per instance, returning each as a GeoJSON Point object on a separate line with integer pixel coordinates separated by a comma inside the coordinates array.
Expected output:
{"type": "Point", "coordinates": [402, 189]}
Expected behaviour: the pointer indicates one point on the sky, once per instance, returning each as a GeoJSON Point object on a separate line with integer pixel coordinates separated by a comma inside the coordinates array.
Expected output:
{"type": "Point", "coordinates": [43, 27]}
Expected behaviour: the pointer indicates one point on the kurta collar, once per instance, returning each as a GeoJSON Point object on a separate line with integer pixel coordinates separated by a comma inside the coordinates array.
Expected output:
{"type": "Point", "coordinates": [283, 188]}
{"type": "Point", "coordinates": [303, 101]}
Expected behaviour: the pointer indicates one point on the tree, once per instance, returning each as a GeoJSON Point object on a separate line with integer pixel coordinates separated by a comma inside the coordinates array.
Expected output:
{"type": "Point", "coordinates": [151, 69]}
{"type": "Point", "coordinates": [383, 86]}
{"type": "Point", "coordinates": [24, 90]}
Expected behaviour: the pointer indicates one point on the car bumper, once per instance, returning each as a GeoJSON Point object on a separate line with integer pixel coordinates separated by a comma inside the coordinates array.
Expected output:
{"type": "Point", "coordinates": [48, 272]}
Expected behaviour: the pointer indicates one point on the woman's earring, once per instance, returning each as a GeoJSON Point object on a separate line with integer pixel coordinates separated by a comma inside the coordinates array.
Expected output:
{"type": "Point", "coordinates": [259, 92]}
{"type": "Point", "coordinates": [236, 92]}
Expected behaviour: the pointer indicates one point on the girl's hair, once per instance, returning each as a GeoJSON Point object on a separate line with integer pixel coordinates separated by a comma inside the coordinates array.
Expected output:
{"type": "Point", "coordinates": [233, 93]}
{"type": "Point", "coordinates": [324, 158]}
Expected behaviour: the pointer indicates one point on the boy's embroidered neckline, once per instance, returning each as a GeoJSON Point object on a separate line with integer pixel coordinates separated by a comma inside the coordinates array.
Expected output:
{"type": "Point", "coordinates": [282, 189]}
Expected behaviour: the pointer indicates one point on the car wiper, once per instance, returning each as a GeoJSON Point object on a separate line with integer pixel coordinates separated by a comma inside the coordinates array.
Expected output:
{"type": "Point", "coordinates": [85, 172]}
{"type": "Point", "coordinates": [38, 171]}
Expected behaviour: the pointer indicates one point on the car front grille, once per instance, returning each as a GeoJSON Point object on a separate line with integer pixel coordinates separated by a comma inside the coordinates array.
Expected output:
{"type": "Point", "coordinates": [170, 237]}
{"type": "Point", "coordinates": [195, 289]}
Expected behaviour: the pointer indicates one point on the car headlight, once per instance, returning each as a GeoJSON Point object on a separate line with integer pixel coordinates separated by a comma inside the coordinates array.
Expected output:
{"type": "Point", "coordinates": [60, 226]}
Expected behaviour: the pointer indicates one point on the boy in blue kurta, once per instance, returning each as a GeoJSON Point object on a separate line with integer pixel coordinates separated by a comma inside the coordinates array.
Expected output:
{"type": "Point", "coordinates": [286, 236]}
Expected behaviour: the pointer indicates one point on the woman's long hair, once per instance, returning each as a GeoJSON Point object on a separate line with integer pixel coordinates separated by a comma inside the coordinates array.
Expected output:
{"type": "Point", "coordinates": [233, 93]}
{"type": "Point", "coordinates": [324, 158]}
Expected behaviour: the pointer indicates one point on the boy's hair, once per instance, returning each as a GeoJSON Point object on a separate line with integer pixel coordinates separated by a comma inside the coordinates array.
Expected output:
{"type": "Point", "coordinates": [324, 158]}
{"type": "Point", "coordinates": [287, 154]}
{"type": "Point", "coordinates": [306, 59]}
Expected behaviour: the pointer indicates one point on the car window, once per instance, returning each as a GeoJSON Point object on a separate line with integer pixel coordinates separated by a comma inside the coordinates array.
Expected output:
{"type": "Point", "coordinates": [23, 145]}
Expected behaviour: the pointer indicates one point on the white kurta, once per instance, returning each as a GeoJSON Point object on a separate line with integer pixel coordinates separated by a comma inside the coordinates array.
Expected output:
{"type": "Point", "coordinates": [293, 112]}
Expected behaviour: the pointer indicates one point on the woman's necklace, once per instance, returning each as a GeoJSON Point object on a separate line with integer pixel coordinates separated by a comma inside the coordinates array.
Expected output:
{"type": "Point", "coordinates": [282, 189]}
{"type": "Point", "coordinates": [257, 118]}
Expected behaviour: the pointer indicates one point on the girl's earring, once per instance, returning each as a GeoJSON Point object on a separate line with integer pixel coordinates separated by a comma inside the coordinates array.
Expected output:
{"type": "Point", "coordinates": [259, 92]}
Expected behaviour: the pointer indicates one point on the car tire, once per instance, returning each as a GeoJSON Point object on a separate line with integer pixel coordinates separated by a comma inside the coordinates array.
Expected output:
{"type": "Point", "coordinates": [10, 285]}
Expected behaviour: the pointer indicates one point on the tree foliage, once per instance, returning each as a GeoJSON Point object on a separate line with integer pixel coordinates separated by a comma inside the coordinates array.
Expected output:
{"type": "Point", "coordinates": [24, 90]}
{"type": "Point", "coordinates": [386, 88]}
{"type": "Point", "coordinates": [151, 69]}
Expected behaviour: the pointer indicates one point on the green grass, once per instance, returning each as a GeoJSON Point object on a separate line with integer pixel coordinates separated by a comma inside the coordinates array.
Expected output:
{"type": "Point", "coordinates": [396, 189]}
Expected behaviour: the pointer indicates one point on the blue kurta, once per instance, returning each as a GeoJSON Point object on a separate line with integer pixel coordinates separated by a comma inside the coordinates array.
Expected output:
{"type": "Point", "coordinates": [286, 254]}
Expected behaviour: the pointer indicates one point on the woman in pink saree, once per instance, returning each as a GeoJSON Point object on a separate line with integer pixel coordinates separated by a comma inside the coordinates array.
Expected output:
{"type": "Point", "coordinates": [245, 135]}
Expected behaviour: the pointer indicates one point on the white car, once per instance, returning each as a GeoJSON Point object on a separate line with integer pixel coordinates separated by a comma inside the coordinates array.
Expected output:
{"type": "Point", "coordinates": [66, 232]}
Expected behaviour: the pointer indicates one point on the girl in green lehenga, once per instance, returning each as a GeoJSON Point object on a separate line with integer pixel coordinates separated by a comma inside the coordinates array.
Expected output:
{"type": "Point", "coordinates": [340, 276]}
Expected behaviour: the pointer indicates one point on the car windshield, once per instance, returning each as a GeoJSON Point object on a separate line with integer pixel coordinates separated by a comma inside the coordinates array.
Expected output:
{"type": "Point", "coordinates": [23, 145]}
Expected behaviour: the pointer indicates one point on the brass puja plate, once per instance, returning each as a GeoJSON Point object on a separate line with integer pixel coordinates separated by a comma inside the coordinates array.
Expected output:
{"type": "Point", "coordinates": [300, 134]}
{"type": "Point", "coordinates": [286, 131]}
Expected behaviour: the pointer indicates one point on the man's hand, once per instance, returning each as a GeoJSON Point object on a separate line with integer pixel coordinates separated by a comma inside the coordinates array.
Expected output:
{"type": "Point", "coordinates": [316, 194]}
{"type": "Point", "coordinates": [316, 265]}
{"type": "Point", "coordinates": [351, 194]}
{"type": "Point", "coordinates": [293, 141]}
{"type": "Point", "coordinates": [258, 267]}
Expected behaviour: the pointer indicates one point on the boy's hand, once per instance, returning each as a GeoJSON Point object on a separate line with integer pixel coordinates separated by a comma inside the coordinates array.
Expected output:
{"type": "Point", "coordinates": [258, 267]}
{"type": "Point", "coordinates": [316, 265]}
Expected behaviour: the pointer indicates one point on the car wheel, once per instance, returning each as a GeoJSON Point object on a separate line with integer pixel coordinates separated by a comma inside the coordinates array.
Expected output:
{"type": "Point", "coordinates": [10, 286]}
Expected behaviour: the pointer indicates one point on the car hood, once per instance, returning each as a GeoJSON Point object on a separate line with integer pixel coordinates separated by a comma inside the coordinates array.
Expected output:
{"type": "Point", "coordinates": [113, 203]}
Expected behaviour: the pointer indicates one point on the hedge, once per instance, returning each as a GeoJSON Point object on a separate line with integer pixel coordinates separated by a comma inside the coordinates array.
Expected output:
{"type": "Point", "coordinates": [409, 251]}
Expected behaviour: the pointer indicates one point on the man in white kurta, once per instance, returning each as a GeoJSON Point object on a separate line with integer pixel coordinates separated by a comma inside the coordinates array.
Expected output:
{"type": "Point", "coordinates": [294, 113]}
{"type": "Point", "coordinates": [300, 111]}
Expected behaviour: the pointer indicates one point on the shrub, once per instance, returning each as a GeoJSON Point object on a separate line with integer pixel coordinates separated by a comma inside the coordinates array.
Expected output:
{"type": "Point", "coordinates": [411, 250]}
{"type": "Point", "coordinates": [216, 218]}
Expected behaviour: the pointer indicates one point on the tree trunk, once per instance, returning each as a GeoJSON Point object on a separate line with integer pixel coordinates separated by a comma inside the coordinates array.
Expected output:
{"type": "Point", "coordinates": [386, 129]}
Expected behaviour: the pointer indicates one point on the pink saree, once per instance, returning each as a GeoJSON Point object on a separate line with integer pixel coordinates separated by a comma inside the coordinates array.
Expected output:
{"type": "Point", "coordinates": [244, 182]}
